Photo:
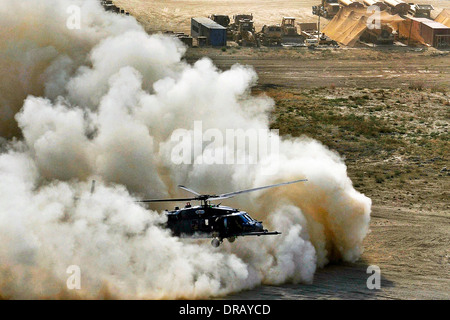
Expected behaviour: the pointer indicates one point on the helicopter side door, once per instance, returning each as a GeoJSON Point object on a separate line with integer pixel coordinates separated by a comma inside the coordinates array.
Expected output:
{"type": "Point", "coordinates": [194, 221]}
{"type": "Point", "coordinates": [187, 223]}
{"type": "Point", "coordinates": [230, 225]}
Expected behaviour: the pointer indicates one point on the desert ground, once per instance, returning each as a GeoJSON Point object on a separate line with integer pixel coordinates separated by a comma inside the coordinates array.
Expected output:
{"type": "Point", "coordinates": [386, 111]}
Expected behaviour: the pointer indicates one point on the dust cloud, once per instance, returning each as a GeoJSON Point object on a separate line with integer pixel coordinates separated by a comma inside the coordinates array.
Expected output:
{"type": "Point", "coordinates": [102, 103]}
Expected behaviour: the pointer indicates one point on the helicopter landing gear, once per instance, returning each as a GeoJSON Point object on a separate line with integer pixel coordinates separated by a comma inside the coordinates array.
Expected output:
{"type": "Point", "coordinates": [215, 242]}
{"type": "Point", "coordinates": [231, 239]}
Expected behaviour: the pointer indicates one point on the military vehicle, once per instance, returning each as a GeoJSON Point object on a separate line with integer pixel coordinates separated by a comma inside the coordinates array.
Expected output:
{"type": "Point", "coordinates": [270, 35]}
{"type": "Point", "coordinates": [243, 30]}
{"type": "Point", "coordinates": [224, 21]}
{"type": "Point", "coordinates": [328, 9]}
{"type": "Point", "coordinates": [385, 35]}
{"type": "Point", "coordinates": [288, 27]}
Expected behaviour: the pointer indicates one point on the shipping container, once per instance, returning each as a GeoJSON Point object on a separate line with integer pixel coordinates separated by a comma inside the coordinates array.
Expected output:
{"type": "Point", "coordinates": [216, 35]}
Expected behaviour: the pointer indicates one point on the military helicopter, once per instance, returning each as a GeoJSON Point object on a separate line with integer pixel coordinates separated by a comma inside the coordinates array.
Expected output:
{"type": "Point", "coordinates": [214, 221]}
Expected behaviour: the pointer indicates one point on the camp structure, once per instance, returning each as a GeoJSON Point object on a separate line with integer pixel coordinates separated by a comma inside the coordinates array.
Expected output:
{"type": "Point", "coordinates": [216, 35]}
{"type": "Point", "coordinates": [421, 10]}
{"type": "Point", "coordinates": [425, 31]}
{"type": "Point", "coordinates": [351, 4]}
{"type": "Point", "coordinates": [350, 24]}
{"type": "Point", "coordinates": [398, 7]}
{"type": "Point", "coordinates": [379, 4]}
{"type": "Point", "coordinates": [444, 17]}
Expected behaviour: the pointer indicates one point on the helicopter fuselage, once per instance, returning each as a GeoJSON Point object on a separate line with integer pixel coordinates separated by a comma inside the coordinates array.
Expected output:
{"type": "Point", "coordinates": [208, 221]}
{"type": "Point", "coordinates": [214, 221]}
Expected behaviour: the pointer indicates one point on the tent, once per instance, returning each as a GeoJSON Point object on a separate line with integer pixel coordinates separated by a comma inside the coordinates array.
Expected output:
{"type": "Point", "coordinates": [349, 24]}
{"type": "Point", "coordinates": [444, 17]}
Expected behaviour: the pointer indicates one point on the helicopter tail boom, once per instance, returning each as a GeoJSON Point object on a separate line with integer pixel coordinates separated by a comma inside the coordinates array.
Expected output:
{"type": "Point", "coordinates": [260, 233]}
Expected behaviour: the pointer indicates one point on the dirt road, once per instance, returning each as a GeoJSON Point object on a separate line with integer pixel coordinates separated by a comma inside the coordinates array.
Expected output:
{"type": "Point", "coordinates": [411, 250]}
{"type": "Point", "coordinates": [336, 67]}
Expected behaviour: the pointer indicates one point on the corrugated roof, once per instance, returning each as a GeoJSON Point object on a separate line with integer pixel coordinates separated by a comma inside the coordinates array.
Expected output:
{"type": "Point", "coordinates": [432, 24]}
{"type": "Point", "coordinates": [209, 23]}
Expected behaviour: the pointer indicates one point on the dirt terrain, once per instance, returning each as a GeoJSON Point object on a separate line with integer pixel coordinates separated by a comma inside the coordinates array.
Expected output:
{"type": "Point", "coordinates": [385, 110]}
{"type": "Point", "coordinates": [372, 68]}
{"type": "Point", "coordinates": [387, 113]}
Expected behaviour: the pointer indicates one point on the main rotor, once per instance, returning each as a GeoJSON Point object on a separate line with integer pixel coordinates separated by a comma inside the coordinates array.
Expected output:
{"type": "Point", "coordinates": [205, 198]}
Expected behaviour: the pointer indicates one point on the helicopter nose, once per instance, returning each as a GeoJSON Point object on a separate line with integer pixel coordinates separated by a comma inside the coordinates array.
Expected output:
{"type": "Point", "coordinates": [259, 226]}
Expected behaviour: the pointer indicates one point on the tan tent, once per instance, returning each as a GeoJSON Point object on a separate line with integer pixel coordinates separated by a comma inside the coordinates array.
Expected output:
{"type": "Point", "coordinates": [409, 30]}
{"type": "Point", "coordinates": [350, 23]}
{"type": "Point", "coordinates": [351, 4]}
{"type": "Point", "coordinates": [444, 17]}
{"type": "Point", "coordinates": [379, 4]}
{"type": "Point", "coordinates": [398, 6]}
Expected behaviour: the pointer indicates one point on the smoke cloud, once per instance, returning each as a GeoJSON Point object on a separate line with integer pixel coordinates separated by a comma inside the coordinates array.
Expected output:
{"type": "Point", "coordinates": [102, 103]}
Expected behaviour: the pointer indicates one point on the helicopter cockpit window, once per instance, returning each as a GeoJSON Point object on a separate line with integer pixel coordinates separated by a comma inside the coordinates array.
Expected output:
{"type": "Point", "coordinates": [243, 218]}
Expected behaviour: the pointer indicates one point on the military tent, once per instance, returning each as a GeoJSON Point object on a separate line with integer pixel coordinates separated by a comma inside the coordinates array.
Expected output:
{"type": "Point", "coordinates": [349, 24]}
{"type": "Point", "coordinates": [444, 17]}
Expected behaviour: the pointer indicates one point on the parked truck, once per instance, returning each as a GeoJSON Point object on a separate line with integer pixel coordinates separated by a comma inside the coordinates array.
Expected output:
{"type": "Point", "coordinates": [238, 18]}
{"type": "Point", "coordinates": [225, 22]}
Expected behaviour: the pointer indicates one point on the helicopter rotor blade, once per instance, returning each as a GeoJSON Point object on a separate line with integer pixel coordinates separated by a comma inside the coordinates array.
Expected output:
{"type": "Point", "coordinates": [189, 190]}
{"type": "Point", "coordinates": [218, 198]}
{"type": "Point", "coordinates": [232, 194]}
{"type": "Point", "coordinates": [223, 196]}
{"type": "Point", "coordinates": [167, 200]}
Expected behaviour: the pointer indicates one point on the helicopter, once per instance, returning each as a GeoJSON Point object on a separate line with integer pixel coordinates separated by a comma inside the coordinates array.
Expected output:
{"type": "Point", "coordinates": [214, 221]}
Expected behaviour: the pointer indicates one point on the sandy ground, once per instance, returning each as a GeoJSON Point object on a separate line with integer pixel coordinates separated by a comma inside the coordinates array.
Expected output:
{"type": "Point", "coordinates": [339, 67]}
{"type": "Point", "coordinates": [396, 150]}
{"type": "Point", "coordinates": [174, 15]}
{"type": "Point", "coordinates": [400, 165]}
{"type": "Point", "coordinates": [411, 250]}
